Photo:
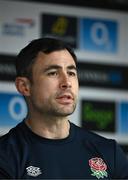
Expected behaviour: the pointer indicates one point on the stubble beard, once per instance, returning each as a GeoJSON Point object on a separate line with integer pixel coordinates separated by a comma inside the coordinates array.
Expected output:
{"type": "Point", "coordinates": [56, 110]}
{"type": "Point", "coordinates": [62, 111]}
{"type": "Point", "coordinates": [50, 108]}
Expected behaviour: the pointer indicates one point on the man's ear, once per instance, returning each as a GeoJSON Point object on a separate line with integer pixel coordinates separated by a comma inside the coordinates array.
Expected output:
{"type": "Point", "coordinates": [23, 85]}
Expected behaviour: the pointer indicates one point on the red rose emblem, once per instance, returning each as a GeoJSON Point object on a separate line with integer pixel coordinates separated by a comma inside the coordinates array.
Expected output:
{"type": "Point", "coordinates": [98, 167]}
{"type": "Point", "coordinates": [97, 164]}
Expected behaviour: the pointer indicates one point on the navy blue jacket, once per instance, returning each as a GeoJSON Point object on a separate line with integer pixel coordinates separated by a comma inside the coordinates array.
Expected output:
{"type": "Point", "coordinates": [82, 155]}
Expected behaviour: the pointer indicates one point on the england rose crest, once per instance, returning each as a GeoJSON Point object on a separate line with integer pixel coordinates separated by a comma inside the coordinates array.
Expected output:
{"type": "Point", "coordinates": [98, 167]}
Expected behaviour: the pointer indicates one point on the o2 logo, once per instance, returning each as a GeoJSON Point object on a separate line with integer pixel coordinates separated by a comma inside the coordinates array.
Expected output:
{"type": "Point", "coordinates": [98, 35]}
{"type": "Point", "coordinates": [17, 108]}
{"type": "Point", "coordinates": [13, 109]}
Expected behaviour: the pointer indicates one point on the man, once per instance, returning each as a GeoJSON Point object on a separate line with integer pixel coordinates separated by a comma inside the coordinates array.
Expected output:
{"type": "Point", "coordinates": [46, 145]}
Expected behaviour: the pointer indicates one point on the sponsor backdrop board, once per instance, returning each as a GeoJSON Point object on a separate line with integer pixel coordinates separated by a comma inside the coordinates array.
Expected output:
{"type": "Point", "coordinates": [99, 38]}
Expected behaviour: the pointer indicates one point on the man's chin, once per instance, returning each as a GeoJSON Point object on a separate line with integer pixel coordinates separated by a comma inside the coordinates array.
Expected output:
{"type": "Point", "coordinates": [65, 113]}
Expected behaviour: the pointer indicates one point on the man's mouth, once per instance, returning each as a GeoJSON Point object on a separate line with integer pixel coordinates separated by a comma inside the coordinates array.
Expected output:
{"type": "Point", "coordinates": [65, 99]}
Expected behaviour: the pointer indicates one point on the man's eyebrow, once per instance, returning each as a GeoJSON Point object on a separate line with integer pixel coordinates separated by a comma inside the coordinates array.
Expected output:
{"type": "Point", "coordinates": [72, 67]}
{"type": "Point", "coordinates": [50, 67]}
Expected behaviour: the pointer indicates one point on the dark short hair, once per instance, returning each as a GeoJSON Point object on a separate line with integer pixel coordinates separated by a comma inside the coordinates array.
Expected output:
{"type": "Point", "coordinates": [27, 56]}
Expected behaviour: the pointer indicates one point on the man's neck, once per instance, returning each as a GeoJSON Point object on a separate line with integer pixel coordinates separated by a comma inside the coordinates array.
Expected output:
{"type": "Point", "coordinates": [51, 129]}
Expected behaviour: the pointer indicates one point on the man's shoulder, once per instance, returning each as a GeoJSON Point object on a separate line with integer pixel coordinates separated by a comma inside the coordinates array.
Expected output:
{"type": "Point", "coordinates": [11, 149]}
{"type": "Point", "coordinates": [10, 138]}
{"type": "Point", "coordinates": [97, 145]}
{"type": "Point", "coordinates": [93, 137]}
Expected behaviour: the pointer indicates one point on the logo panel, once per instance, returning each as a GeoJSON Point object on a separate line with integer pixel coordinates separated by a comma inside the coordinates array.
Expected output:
{"type": "Point", "coordinates": [122, 116]}
{"type": "Point", "coordinates": [98, 115]}
{"type": "Point", "coordinates": [103, 76]}
{"type": "Point", "coordinates": [99, 35]}
{"type": "Point", "coordinates": [61, 26]}
{"type": "Point", "coordinates": [12, 109]}
{"type": "Point", "coordinates": [7, 68]}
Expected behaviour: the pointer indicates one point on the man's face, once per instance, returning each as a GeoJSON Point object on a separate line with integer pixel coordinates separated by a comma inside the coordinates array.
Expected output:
{"type": "Point", "coordinates": [54, 88]}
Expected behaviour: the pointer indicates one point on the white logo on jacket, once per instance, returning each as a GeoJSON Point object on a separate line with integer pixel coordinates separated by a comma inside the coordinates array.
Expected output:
{"type": "Point", "coordinates": [33, 171]}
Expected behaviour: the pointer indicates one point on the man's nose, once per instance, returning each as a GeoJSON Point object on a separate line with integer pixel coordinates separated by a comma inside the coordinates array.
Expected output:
{"type": "Point", "coordinates": [65, 81]}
